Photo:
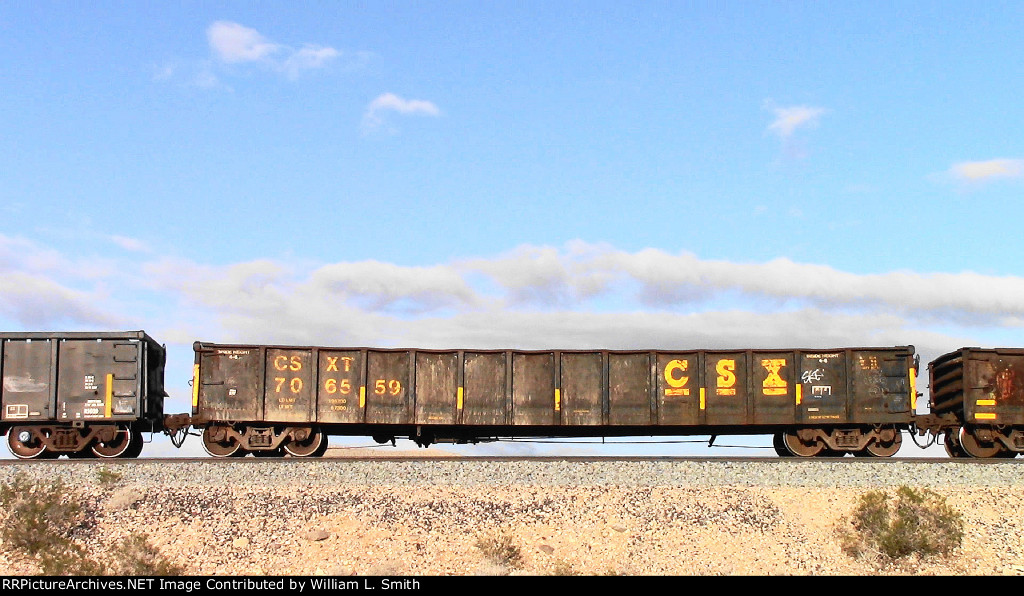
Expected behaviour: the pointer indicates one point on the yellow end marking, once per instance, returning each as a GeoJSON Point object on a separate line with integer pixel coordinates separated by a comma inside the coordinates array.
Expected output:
{"type": "Point", "coordinates": [986, 402]}
{"type": "Point", "coordinates": [110, 393]}
{"type": "Point", "coordinates": [459, 404]}
{"type": "Point", "coordinates": [362, 396]}
{"type": "Point", "coordinates": [913, 390]}
{"type": "Point", "coordinates": [702, 391]}
{"type": "Point", "coordinates": [987, 416]}
{"type": "Point", "coordinates": [799, 394]}
{"type": "Point", "coordinates": [195, 386]}
{"type": "Point", "coordinates": [558, 399]}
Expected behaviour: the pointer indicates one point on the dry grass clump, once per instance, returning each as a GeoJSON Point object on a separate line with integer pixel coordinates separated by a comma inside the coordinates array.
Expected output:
{"type": "Point", "coordinates": [501, 549]}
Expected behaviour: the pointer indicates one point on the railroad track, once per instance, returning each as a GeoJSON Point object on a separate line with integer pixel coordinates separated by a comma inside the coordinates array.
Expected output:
{"type": "Point", "coordinates": [330, 458]}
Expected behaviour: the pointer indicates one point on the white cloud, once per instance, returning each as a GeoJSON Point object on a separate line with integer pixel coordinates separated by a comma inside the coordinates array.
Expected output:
{"type": "Point", "coordinates": [789, 119]}
{"type": "Point", "coordinates": [389, 102]}
{"type": "Point", "coordinates": [978, 171]}
{"type": "Point", "coordinates": [232, 43]}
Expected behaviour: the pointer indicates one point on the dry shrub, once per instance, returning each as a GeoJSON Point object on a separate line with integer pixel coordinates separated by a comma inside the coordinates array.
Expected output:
{"type": "Point", "coordinates": [501, 549]}
{"type": "Point", "coordinates": [910, 522]}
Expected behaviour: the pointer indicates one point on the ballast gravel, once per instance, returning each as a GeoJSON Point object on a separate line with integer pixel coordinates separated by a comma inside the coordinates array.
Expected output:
{"type": "Point", "coordinates": [342, 516]}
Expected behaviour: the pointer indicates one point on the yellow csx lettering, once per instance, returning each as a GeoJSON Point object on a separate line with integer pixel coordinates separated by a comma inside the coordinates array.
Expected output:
{"type": "Point", "coordinates": [774, 384]}
{"type": "Point", "coordinates": [285, 363]}
{"type": "Point", "coordinates": [726, 370]}
{"type": "Point", "coordinates": [676, 379]}
{"type": "Point", "coordinates": [332, 363]}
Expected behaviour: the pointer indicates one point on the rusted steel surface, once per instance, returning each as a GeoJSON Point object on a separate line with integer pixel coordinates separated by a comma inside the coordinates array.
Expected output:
{"type": "Point", "coordinates": [979, 386]}
{"type": "Point", "coordinates": [537, 390]}
{"type": "Point", "coordinates": [81, 377]}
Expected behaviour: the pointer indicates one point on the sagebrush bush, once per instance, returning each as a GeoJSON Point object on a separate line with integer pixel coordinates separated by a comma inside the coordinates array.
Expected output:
{"type": "Point", "coordinates": [913, 521]}
{"type": "Point", "coordinates": [40, 519]}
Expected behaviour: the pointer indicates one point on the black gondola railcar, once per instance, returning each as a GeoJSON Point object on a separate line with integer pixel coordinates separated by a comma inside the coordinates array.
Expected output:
{"type": "Point", "coordinates": [273, 399]}
{"type": "Point", "coordinates": [80, 394]}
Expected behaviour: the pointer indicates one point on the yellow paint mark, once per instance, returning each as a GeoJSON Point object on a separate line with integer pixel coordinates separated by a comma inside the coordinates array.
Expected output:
{"type": "Point", "coordinates": [986, 416]}
{"type": "Point", "coordinates": [702, 391]}
{"type": "Point", "coordinates": [986, 402]}
{"type": "Point", "coordinates": [195, 386]}
{"type": "Point", "coordinates": [362, 396]}
{"type": "Point", "coordinates": [913, 390]}
{"type": "Point", "coordinates": [799, 393]}
{"type": "Point", "coordinates": [110, 393]}
{"type": "Point", "coordinates": [558, 399]}
{"type": "Point", "coordinates": [459, 403]}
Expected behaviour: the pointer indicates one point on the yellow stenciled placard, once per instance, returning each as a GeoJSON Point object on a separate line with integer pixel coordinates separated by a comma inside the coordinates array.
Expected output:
{"type": "Point", "coordinates": [676, 378]}
{"type": "Point", "coordinates": [726, 384]}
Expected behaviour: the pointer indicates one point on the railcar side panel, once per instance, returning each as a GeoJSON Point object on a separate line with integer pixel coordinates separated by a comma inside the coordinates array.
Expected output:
{"type": "Point", "coordinates": [29, 378]}
{"type": "Point", "coordinates": [487, 387]}
{"type": "Point", "coordinates": [230, 384]}
{"type": "Point", "coordinates": [583, 389]}
{"type": "Point", "coordinates": [340, 384]}
{"type": "Point", "coordinates": [823, 394]}
{"type": "Point", "coordinates": [629, 389]}
{"type": "Point", "coordinates": [993, 387]}
{"type": "Point", "coordinates": [679, 385]}
{"type": "Point", "coordinates": [533, 389]}
{"type": "Point", "coordinates": [98, 379]}
{"type": "Point", "coordinates": [437, 382]}
{"type": "Point", "coordinates": [290, 385]}
{"type": "Point", "coordinates": [389, 387]}
{"type": "Point", "coordinates": [774, 380]}
{"type": "Point", "coordinates": [728, 391]}
{"type": "Point", "coordinates": [879, 385]}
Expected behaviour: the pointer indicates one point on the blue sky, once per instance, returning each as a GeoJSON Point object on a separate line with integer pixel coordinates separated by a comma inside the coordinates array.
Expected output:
{"type": "Point", "coordinates": [514, 174]}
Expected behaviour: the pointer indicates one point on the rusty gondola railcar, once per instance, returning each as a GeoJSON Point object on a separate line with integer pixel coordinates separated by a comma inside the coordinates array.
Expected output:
{"type": "Point", "coordinates": [80, 394]}
{"type": "Point", "coordinates": [977, 402]}
{"type": "Point", "coordinates": [273, 400]}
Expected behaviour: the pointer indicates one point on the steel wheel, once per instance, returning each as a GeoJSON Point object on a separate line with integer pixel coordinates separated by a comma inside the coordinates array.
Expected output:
{"type": "Point", "coordinates": [952, 445]}
{"type": "Point", "coordinates": [135, 449]}
{"type": "Point", "coordinates": [975, 448]}
{"type": "Point", "coordinates": [878, 448]}
{"type": "Point", "coordinates": [228, 448]}
{"type": "Point", "coordinates": [115, 447]}
{"type": "Point", "coordinates": [311, 446]}
{"type": "Point", "coordinates": [780, 446]}
{"type": "Point", "coordinates": [799, 448]}
{"type": "Point", "coordinates": [24, 443]}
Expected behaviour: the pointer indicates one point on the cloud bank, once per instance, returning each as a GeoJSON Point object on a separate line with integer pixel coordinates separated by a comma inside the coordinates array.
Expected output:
{"type": "Point", "coordinates": [579, 295]}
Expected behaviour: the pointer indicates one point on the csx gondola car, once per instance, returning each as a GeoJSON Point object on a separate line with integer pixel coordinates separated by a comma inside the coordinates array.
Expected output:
{"type": "Point", "coordinates": [80, 394]}
{"type": "Point", "coordinates": [272, 399]}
